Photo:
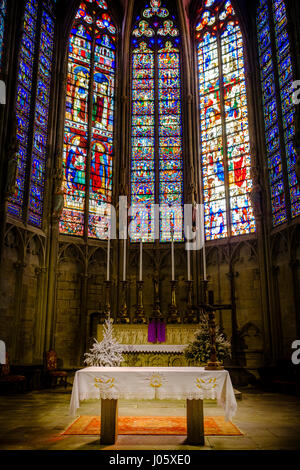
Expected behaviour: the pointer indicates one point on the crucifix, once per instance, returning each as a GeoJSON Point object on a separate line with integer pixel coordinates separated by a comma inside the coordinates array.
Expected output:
{"type": "Point", "coordinates": [210, 308]}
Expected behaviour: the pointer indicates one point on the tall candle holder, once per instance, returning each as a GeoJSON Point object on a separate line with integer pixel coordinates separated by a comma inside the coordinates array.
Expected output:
{"type": "Point", "coordinates": [140, 311]}
{"type": "Point", "coordinates": [107, 298]}
{"type": "Point", "coordinates": [104, 314]}
{"type": "Point", "coordinates": [156, 304]}
{"type": "Point", "coordinates": [213, 363]}
{"type": "Point", "coordinates": [123, 316]}
{"type": "Point", "coordinates": [204, 290]}
{"type": "Point", "coordinates": [174, 316]}
{"type": "Point", "coordinates": [191, 315]}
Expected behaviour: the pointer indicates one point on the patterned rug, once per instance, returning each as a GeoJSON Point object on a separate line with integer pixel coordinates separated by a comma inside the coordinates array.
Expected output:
{"type": "Point", "coordinates": [152, 425]}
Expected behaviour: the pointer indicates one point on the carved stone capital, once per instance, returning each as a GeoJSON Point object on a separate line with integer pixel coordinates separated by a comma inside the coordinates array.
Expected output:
{"type": "Point", "coordinates": [39, 271]}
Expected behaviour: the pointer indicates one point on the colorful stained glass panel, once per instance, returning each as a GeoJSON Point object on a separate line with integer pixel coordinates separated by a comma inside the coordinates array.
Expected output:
{"type": "Point", "coordinates": [225, 163]}
{"type": "Point", "coordinates": [89, 123]}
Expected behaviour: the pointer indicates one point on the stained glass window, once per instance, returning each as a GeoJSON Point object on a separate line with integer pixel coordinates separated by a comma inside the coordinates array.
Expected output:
{"type": "Point", "coordinates": [156, 158]}
{"type": "Point", "coordinates": [279, 111]}
{"type": "Point", "coordinates": [89, 123]}
{"type": "Point", "coordinates": [224, 128]}
{"type": "Point", "coordinates": [3, 5]}
{"type": "Point", "coordinates": [35, 66]}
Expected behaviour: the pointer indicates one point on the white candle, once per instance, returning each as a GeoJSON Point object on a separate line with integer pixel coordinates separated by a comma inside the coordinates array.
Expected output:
{"type": "Point", "coordinates": [124, 260]}
{"type": "Point", "coordinates": [173, 264]}
{"type": "Point", "coordinates": [108, 259]}
{"type": "Point", "coordinates": [141, 261]}
{"type": "Point", "coordinates": [204, 253]}
{"type": "Point", "coordinates": [204, 263]}
{"type": "Point", "coordinates": [189, 264]}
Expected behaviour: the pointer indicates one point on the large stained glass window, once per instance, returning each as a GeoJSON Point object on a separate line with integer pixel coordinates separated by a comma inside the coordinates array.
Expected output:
{"type": "Point", "coordinates": [156, 159]}
{"type": "Point", "coordinates": [279, 111]}
{"type": "Point", "coordinates": [3, 6]}
{"type": "Point", "coordinates": [32, 109]}
{"type": "Point", "coordinates": [89, 123]}
{"type": "Point", "coordinates": [224, 128]}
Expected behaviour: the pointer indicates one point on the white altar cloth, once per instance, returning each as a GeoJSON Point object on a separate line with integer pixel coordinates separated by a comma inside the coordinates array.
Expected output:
{"type": "Point", "coordinates": [149, 383]}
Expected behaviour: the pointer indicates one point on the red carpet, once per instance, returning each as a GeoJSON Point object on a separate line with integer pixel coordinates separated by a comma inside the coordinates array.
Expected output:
{"type": "Point", "coordinates": [152, 425]}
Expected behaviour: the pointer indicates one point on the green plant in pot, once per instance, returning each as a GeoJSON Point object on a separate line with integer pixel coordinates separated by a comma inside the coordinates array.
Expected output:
{"type": "Point", "coordinates": [199, 349]}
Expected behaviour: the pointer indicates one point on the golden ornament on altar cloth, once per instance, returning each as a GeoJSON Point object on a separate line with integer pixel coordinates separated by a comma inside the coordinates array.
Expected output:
{"type": "Point", "coordinates": [104, 383]}
{"type": "Point", "coordinates": [156, 380]}
{"type": "Point", "coordinates": [206, 384]}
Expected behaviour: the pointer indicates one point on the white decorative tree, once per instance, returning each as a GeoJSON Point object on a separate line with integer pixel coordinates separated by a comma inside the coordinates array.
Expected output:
{"type": "Point", "coordinates": [107, 353]}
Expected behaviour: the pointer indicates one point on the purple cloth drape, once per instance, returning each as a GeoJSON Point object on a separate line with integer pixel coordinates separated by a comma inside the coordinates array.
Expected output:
{"type": "Point", "coordinates": [152, 332]}
{"type": "Point", "coordinates": [157, 331]}
{"type": "Point", "coordinates": [161, 331]}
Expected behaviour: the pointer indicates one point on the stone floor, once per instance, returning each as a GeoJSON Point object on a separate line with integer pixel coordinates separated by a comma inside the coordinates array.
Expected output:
{"type": "Point", "coordinates": [34, 421]}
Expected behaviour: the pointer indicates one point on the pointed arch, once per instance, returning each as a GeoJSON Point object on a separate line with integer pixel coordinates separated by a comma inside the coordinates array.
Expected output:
{"type": "Point", "coordinates": [32, 110]}
{"type": "Point", "coordinates": [156, 124]}
{"type": "Point", "coordinates": [89, 122]}
{"type": "Point", "coordinates": [279, 110]}
{"type": "Point", "coordinates": [224, 127]}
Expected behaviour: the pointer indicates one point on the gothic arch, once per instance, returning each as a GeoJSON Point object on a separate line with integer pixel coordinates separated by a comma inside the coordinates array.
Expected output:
{"type": "Point", "coordinates": [252, 163]}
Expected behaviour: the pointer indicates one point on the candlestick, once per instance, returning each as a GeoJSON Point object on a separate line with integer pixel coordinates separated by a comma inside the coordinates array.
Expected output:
{"type": "Point", "coordinates": [140, 312]}
{"type": "Point", "coordinates": [204, 263]}
{"type": "Point", "coordinates": [188, 262]}
{"type": "Point", "coordinates": [156, 303]}
{"type": "Point", "coordinates": [123, 316]}
{"type": "Point", "coordinates": [107, 310]}
{"type": "Point", "coordinates": [213, 363]}
{"type": "Point", "coordinates": [124, 260]}
{"type": "Point", "coordinates": [173, 314]}
{"type": "Point", "coordinates": [172, 251]}
{"type": "Point", "coordinates": [108, 261]}
{"type": "Point", "coordinates": [191, 315]}
{"type": "Point", "coordinates": [204, 250]}
{"type": "Point", "coordinates": [141, 262]}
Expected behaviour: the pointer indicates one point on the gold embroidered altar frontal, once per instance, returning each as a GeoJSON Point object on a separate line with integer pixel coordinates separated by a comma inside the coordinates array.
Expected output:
{"type": "Point", "coordinates": [149, 383]}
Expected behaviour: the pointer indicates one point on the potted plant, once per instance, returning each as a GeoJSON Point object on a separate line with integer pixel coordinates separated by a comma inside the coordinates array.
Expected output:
{"type": "Point", "coordinates": [199, 349]}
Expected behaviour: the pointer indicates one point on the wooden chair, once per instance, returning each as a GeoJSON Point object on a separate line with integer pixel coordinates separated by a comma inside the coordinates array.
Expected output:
{"type": "Point", "coordinates": [54, 374]}
{"type": "Point", "coordinates": [7, 379]}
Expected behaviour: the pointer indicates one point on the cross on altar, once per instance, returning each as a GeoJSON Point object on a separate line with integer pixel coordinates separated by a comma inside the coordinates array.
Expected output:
{"type": "Point", "coordinates": [210, 308]}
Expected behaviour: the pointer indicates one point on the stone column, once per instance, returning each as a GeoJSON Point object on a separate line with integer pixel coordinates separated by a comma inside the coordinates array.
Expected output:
{"type": "Point", "coordinates": [83, 316]}
{"type": "Point", "coordinates": [40, 319]}
{"type": "Point", "coordinates": [234, 323]}
{"type": "Point", "coordinates": [295, 266]}
{"type": "Point", "coordinates": [15, 344]}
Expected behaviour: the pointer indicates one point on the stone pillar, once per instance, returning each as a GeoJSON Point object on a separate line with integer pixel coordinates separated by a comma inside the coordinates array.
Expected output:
{"type": "Point", "coordinates": [234, 323]}
{"type": "Point", "coordinates": [15, 342]}
{"type": "Point", "coordinates": [83, 316]}
{"type": "Point", "coordinates": [40, 318]}
{"type": "Point", "coordinates": [276, 317]}
{"type": "Point", "coordinates": [295, 266]}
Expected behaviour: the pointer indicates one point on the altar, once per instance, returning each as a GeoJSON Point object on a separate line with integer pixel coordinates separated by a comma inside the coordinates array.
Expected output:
{"type": "Point", "coordinates": [193, 384]}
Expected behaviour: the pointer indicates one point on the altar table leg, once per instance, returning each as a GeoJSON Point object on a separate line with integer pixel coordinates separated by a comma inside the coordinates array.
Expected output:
{"type": "Point", "coordinates": [195, 422]}
{"type": "Point", "coordinates": [109, 421]}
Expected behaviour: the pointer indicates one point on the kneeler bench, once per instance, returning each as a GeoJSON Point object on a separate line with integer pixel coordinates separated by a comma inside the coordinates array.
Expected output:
{"type": "Point", "coordinates": [193, 384]}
